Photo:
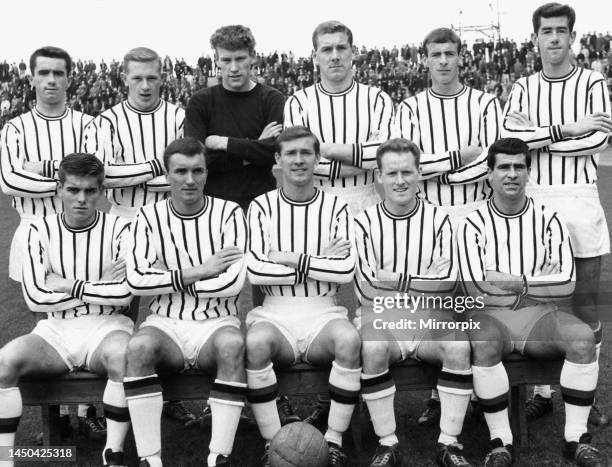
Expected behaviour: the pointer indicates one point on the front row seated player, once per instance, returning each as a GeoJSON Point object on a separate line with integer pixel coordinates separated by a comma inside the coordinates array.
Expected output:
{"type": "Point", "coordinates": [300, 251]}
{"type": "Point", "coordinates": [516, 254]}
{"type": "Point", "coordinates": [84, 297]}
{"type": "Point", "coordinates": [187, 253]}
{"type": "Point", "coordinates": [405, 246]}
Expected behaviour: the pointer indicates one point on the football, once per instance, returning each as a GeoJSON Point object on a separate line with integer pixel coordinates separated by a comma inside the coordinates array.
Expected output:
{"type": "Point", "coordinates": [298, 445]}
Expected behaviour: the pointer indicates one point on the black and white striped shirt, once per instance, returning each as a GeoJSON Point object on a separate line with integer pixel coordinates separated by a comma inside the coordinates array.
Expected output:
{"type": "Point", "coordinates": [489, 240]}
{"type": "Point", "coordinates": [33, 137]}
{"type": "Point", "coordinates": [280, 224]}
{"type": "Point", "coordinates": [77, 254]}
{"type": "Point", "coordinates": [550, 103]}
{"type": "Point", "coordinates": [164, 242]}
{"type": "Point", "coordinates": [131, 143]}
{"type": "Point", "coordinates": [362, 116]}
{"type": "Point", "coordinates": [407, 245]}
{"type": "Point", "coordinates": [442, 125]}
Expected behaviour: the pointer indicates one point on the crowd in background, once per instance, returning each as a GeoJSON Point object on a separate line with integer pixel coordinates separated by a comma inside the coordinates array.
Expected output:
{"type": "Point", "coordinates": [401, 72]}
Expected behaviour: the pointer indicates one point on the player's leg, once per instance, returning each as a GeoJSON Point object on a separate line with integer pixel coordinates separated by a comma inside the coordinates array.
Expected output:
{"type": "Point", "coordinates": [585, 307]}
{"type": "Point", "coordinates": [25, 355]}
{"type": "Point", "coordinates": [338, 343]}
{"type": "Point", "coordinates": [223, 354]}
{"type": "Point", "coordinates": [378, 391]}
{"type": "Point", "coordinates": [451, 350]}
{"type": "Point", "coordinates": [266, 347]}
{"type": "Point", "coordinates": [149, 350]}
{"type": "Point", "coordinates": [558, 334]}
{"type": "Point", "coordinates": [109, 359]}
{"type": "Point", "coordinates": [489, 345]}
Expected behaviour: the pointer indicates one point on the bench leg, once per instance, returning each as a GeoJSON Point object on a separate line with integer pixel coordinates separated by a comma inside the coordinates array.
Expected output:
{"type": "Point", "coordinates": [518, 418]}
{"type": "Point", "coordinates": [51, 425]}
{"type": "Point", "coordinates": [356, 422]}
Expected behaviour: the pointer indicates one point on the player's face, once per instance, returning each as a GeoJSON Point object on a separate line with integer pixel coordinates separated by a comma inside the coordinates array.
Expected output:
{"type": "Point", "coordinates": [554, 40]}
{"type": "Point", "coordinates": [143, 80]}
{"type": "Point", "coordinates": [334, 56]}
{"type": "Point", "coordinates": [235, 66]}
{"type": "Point", "coordinates": [50, 80]}
{"type": "Point", "coordinates": [509, 177]}
{"type": "Point", "coordinates": [79, 196]}
{"type": "Point", "coordinates": [398, 176]}
{"type": "Point", "coordinates": [443, 63]}
{"type": "Point", "coordinates": [297, 160]}
{"type": "Point", "coordinates": [186, 177]}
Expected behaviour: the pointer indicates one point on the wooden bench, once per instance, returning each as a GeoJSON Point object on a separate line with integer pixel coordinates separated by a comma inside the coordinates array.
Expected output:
{"type": "Point", "coordinates": [299, 380]}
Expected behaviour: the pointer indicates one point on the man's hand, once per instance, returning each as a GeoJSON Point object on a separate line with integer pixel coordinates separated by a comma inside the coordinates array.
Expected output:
{"type": "Point", "coordinates": [114, 272]}
{"type": "Point", "coordinates": [438, 267]}
{"type": "Point", "coordinates": [469, 154]}
{"type": "Point", "coordinates": [337, 247]}
{"type": "Point", "coordinates": [216, 143]}
{"type": "Point", "coordinates": [271, 130]}
{"type": "Point", "coordinates": [599, 121]}
{"type": "Point", "coordinates": [34, 167]}
{"type": "Point", "coordinates": [58, 283]}
{"type": "Point", "coordinates": [519, 119]}
{"type": "Point", "coordinates": [551, 267]}
{"type": "Point", "coordinates": [375, 136]}
{"type": "Point", "coordinates": [505, 281]}
{"type": "Point", "coordinates": [220, 261]}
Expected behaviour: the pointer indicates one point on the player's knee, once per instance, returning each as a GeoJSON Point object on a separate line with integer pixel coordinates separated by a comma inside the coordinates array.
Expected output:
{"type": "Point", "coordinates": [486, 352]}
{"type": "Point", "coordinates": [456, 354]}
{"type": "Point", "coordinates": [258, 347]}
{"type": "Point", "coordinates": [230, 349]}
{"type": "Point", "coordinates": [141, 351]}
{"type": "Point", "coordinates": [375, 355]}
{"type": "Point", "coordinates": [114, 359]}
{"type": "Point", "coordinates": [347, 346]}
{"type": "Point", "coordinates": [580, 345]}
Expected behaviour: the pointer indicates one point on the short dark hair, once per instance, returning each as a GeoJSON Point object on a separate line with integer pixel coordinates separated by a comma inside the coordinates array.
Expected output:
{"type": "Point", "coordinates": [233, 37]}
{"type": "Point", "coordinates": [553, 10]}
{"type": "Point", "coordinates": [507, 146]}
{"type": "Point", "coordinates": [441, 36]}
{"type": "Point", "coordinates": [188, 146]}
{"type": "Point", "coordinates": [399, 145]}
{"type": "Point", "coordinates": [297, 132]}
{"type": "Point", "coordinates": [330, 27]}
{"type": "Point", "coordinates": [82, 165]}
{"type": "Point", "coordinates": [142, 55]}
{"type": "Point", "coordinates": [51, 52]}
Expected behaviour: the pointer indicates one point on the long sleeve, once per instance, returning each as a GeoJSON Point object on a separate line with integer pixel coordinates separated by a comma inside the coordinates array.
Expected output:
{"type": "Point", "coordinates": [490, 128]}
{"type": "Point", "coordinates": [14, 180]}
{"type": "Point", "coordinates": [471, 247]}
{"type": "Point", "coordinates": [561, 285]}
{"type": "Point", "coordinates": [101, 292]}
{"type": "Point", "coordinates": [594, 141]}
{"type": "Point", "coordinates": [37, 295]}
{"type": "Point", "coordinates": [331, 268]}
{"type": "Point", "coordinates": [364, 152]}
{"type": "Point", "coordinates": [142, 277]}
{"type": "Point", "coordinates": [255, 151]}
{"type": "Point", "coordinates": [444, 282]}
{"type": "Point", "coordinates": [535, 136]}
{"type": "Point", "coordinates": [101, 140]}
{"type": "Point", "coordinates": [407, 126]}
{"type": "Point", "coordinates": [262, 271]}
{"type": "Point", "coordinates": [230, 282]}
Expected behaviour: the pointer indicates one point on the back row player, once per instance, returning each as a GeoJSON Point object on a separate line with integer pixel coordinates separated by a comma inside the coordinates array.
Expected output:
{"type": "Point", "coordinates": [31, 147]}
